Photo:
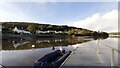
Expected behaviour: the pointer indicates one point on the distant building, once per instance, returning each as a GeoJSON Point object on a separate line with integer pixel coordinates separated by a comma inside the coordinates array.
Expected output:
{"type": "Point", "coordinates": [42, 31]}
{"type": "Point", "coordinates": [20, 31]}
{"type": "Point", "coordinates": [57, 32]}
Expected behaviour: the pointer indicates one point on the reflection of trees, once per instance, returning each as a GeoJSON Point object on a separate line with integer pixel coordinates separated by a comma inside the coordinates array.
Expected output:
{"type": "Point", "coordinates": [42, 43]}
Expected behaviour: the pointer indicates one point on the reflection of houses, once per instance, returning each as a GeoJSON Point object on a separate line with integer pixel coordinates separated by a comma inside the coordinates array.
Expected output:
{"type": "Point", "coordinates": [58, 40]}
{"type": "Point", "coordinates": [19, 43]}
{"type": "Point", "coordinates": [20, 31]}
{"type": "Point", "coordinates": [41, 41]}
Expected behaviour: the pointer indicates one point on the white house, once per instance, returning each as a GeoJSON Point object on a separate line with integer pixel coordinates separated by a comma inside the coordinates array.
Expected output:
{"type": "Point", "coordinates": [20, 31]}
{"type": "Point", "coordinates": [42, 31]}
{"type": "Point", "coordinates": [58, 32]}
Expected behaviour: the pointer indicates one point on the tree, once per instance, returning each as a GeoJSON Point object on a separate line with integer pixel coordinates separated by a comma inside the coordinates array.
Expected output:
{"type": "Point", "coordinates": [32, 28]}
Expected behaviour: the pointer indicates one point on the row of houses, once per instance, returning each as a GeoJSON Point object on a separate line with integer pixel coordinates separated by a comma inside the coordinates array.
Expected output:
{"type": "Point", "coordinates": [20, 31]}
{"type": "Point", "coordinates": [24, 31]}
{"type": "Point", "coordinates": [49, 32]}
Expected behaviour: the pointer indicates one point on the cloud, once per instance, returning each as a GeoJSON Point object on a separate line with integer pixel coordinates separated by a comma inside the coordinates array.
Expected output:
{"type": "Point", "coordinates": [107, 22]}
{"type": "Point", "coordinates": [10, 12]}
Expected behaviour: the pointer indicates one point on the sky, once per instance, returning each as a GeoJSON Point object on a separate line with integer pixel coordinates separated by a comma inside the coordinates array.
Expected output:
{"type": "Point", "coordinates": [102, 16]}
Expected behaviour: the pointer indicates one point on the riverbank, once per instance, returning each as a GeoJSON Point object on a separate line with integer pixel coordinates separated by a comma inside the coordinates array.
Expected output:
{"type": "Point", "coordinates": [24, 36]}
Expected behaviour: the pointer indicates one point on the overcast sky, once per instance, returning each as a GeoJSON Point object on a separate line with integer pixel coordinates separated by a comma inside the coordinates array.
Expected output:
{"type": "Point", "coordinates": [102, 16]}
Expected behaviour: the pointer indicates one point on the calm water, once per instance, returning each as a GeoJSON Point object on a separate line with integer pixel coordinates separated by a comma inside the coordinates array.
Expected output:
{"type": "Point", "coordinates": [18, 52]}
{"type": "Point", "coordinates": [95, 53]}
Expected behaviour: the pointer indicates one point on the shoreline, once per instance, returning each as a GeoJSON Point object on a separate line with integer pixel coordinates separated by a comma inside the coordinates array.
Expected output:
{"type": "Point", "coordinates": [40, 36]}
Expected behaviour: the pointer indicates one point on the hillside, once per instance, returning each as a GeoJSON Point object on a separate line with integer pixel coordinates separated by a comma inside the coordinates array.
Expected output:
{"type": "Point", "coordinates": [114, 33]}
{"type": "Point", "coordinates": [35, 28]}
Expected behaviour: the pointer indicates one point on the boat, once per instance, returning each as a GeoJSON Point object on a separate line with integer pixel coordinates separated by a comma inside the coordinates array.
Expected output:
{"type": "Point", "coordinates": [52, 60]}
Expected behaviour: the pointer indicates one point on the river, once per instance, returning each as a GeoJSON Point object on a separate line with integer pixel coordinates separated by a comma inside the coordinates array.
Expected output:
{"type": "Point", "coordinates": [19, 52]}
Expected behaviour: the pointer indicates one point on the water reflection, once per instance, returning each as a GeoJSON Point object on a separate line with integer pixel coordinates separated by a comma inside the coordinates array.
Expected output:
{"type": "Point", "coordinates": [94, 53]}
{"type": "Point", "coordinates": [113, 52]}
{"type": "Point", "coordinates": [112, 58]}
{"type": "Point", "coordinates": [21, 44]}
{"type": "Point", "coordinates": [100, 56]}
{"type": "Point", "coordinates": [112, 49]}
